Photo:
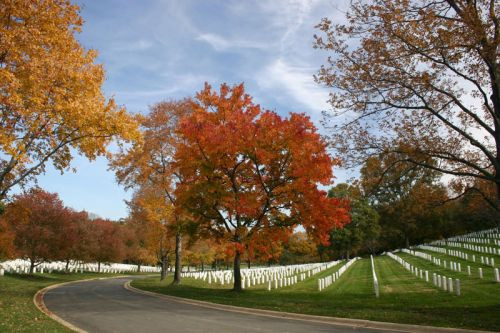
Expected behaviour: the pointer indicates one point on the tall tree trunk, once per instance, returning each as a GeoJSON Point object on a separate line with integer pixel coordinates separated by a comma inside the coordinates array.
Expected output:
{"type": "Point", "coordinates": [32, 266]}
{"type": "Point", "coordinates": [202, 266]}
{"type": "Point", "coordinates": [497, 202]}
{"type": "Point", "coordinates": [164, 267]}
{"type": "Point", "coordinates": [98, 267]}
{"type": "Point", "coordinates": [248, 263]}
{"type": "Point", "coordinates": [138, 268]}
{"type": "Point", "coordinates": [178, 266]}
{"type": "Point", "coordinates": [237, 272]}
{"type": "Point", "coordinates": [67, 265]}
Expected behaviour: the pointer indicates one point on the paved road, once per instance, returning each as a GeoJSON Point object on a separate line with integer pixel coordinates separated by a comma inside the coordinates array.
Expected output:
{"type": "Point", "coordinates": [106, 306]}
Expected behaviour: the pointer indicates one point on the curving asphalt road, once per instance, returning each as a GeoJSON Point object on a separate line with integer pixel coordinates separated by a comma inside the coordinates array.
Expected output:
{"type": "Point", "coordinates": [106, 306]}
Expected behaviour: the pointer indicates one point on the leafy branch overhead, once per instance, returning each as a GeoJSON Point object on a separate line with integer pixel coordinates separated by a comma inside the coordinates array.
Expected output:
{"type": "Point", "coordinates": [419, 80]}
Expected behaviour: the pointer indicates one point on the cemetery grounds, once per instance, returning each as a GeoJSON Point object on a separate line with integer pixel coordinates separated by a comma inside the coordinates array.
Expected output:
{"type": "Point", "coordinates": [405, 296]}
{"type": "Point", "coordinates": [406, 293]}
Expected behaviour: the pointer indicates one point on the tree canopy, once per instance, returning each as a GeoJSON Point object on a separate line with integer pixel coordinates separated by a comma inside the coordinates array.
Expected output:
{"type": "Point", "coordinates": [420, 80]}
{"type": "Point", "coordinates": [51, 103]}
{"type": "Point", "coordinates": [246, 170]}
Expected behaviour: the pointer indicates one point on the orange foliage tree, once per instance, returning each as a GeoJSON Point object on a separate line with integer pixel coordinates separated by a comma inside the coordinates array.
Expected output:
{"type": "Point", "coordinates": [148, 162]}
{"type": "Point", "coordinates": [267, 245]}
{"type": "Point", "coordinates": [51, 102]}
{"type": "Point", "coordinates": [246, 170]}
{"type": "Point", "coordinates": [302, 248]}
{"type": "Point", "coordinates": [72, 242]}
{"type": "Point", "coordinates": [151, 217]}
{"type": "Point", "coordinates": [7, 249]}
{"type": "Point", "coordinates": [107, 243]}
{"type": "Point", "coordinates": [36, 219]}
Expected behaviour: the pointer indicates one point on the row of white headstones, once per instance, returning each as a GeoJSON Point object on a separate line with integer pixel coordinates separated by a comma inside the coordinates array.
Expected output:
{"type": "Point", "coordinates": [439, 281]}
{"type": "Point", "coordinates": [20, 266]}
{"type": "Point", "coordinates": [468, 246]}
{"type": "Point", "coordinates": [275, 277]}
{"type": "Point", "coordinates": [490, 236]}
{"type": "Point", "coordinates": [454, 266]}
{"type": "Point", "coordinates": [489, 261]}
{"type": "Point", "coordinates": [327, 281]}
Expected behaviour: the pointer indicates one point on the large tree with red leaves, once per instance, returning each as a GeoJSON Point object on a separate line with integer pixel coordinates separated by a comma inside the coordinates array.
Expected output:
{"type": "Point", "coordinates": [247, 170]}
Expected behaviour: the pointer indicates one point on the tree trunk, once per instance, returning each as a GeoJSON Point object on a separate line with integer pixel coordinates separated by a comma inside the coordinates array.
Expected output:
{"type": "Point", "coordinates": [32, 266]}
{"type": "Point", "coordinates": [178, 267]}
{"type": "Point", "coordinates": [202, 266]}
{"type": "Point", "coordinates": [248, 263]}
{"type": "Point", "coordinates": [347, 254]}
{"type": "Point", "coordinates": [237, 272]}
{"type": "Point", "coordinates": [407, 242]}
{"type": "Point", "coordinates": [164, 267]}
{"type": "Point", "coordinates": [98, 267]}
{"type": "Point", "coordinates": [138, 268]}
{"type": "Point", "coordinates": [497, 207]}
{"type": "Point", "coordinates": [67, 265]}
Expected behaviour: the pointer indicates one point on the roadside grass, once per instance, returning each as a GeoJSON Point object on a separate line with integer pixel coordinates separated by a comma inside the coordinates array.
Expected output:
{"type": "Point", "coordinates": [403, 297]}
{"type": "Point", "coordinates": [18, 313]}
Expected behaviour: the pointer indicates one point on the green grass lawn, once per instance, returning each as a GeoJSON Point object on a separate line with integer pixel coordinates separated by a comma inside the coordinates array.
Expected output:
{"type": "Point", "coordinates": [403, 297]}
{"type": "Point", "coordinates": [18, 313]}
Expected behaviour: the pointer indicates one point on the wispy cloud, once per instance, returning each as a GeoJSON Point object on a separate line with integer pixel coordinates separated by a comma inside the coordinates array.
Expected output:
{"type": "Point", "coordinates": [138, 45]}
{"type": "Point", "coordinates": [296, 83]}
{"type": "Point", "coordinates": [220, 43]}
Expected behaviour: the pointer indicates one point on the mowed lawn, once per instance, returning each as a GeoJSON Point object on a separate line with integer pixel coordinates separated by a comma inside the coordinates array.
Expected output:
{"type": "Point", "coordinates": [403, 297]}
{"type": "Point", "coordinates": [18, 313]}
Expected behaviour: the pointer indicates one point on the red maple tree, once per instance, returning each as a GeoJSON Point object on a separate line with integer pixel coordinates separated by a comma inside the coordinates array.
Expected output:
{"type": "Point", "coordinates": [247, 170]}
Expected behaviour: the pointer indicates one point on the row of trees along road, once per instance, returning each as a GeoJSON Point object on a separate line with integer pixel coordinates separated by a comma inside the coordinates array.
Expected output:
{"type": "Point", "coordinates": [37, 226]}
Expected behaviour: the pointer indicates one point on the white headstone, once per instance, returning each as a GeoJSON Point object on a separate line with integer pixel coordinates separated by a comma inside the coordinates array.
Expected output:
{"type": "Point", "coordinates": [457, 287]}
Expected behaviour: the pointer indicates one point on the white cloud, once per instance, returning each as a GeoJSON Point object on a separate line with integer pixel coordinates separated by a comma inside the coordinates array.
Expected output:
{"type": "Point", "coordinates": [220, 43]}
{"type": "Point", "coordinates": [184, 85]}
{"type": "Point", "coordinates": [297, 83]}
{"type": "Point", "coordinates": [288, 16]}
{"type": "Point", "coordinates": [131, 46]}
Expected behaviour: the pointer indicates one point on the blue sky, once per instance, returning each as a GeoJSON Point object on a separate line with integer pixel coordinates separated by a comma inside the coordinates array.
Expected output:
{"type": "Point", "coordinates": [160, 49]}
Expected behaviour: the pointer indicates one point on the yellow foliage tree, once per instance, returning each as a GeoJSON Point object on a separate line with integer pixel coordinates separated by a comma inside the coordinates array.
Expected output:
{"type": "Point", "coordinates": [152, 217]}
{"type": "Point", "coordinates": [50, 92]}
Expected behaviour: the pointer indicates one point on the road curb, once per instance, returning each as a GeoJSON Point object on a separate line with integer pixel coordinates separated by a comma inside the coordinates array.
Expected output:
{"type": "Point", "coordinates": [356, 323]}
{"type": "Point", "coordinates": [40, 304]}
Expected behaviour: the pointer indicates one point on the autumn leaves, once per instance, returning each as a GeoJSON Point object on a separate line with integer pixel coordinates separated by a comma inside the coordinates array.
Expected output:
{"type": "Point", "coordinates": [233, 172]}
{"type": "Point", "coordinates": [51, 103]}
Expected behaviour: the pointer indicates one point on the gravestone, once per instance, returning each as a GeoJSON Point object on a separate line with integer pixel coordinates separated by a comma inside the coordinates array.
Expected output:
{"type": "Point", "coordinates": [457, 287]}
